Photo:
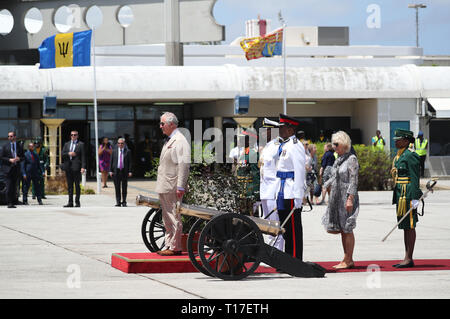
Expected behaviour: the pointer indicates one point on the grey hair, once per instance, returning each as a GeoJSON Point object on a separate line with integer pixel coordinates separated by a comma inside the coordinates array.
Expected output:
{"type": "Point", "coordinates": [170, 118]}
{"type": "Point", "coordinates": [342, 138]}
{"type": "Point", "coordinates": [121, 139]}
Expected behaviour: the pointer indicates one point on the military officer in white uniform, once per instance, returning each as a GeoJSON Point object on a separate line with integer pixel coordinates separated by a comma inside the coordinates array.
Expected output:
{"type": "Point", "coordinates": [268, 180]}
{"type": "Point", "coordinates": [290, 186]}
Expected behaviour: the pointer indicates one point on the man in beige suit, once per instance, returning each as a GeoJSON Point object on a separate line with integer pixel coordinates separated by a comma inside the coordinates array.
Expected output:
{"type": "Point", "coordinates": [171, 182]}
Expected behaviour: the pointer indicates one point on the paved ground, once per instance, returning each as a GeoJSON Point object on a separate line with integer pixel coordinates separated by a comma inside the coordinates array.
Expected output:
{"type": "Point", "coordinates": [54, 252]}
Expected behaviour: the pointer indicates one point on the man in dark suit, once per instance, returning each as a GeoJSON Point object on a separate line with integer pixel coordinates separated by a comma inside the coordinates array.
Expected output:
{"type": "Point", "coordinates": [74, 164]}
{"type": "Point", "coordinates": [120, 170]}
{"type": "Point", "coordinates": [11, 156]}
{"type": "Point", "coordinates": [32, 170]}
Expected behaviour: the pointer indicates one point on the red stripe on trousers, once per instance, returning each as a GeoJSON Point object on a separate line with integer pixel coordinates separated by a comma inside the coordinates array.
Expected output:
{"type": "Point", "coordinates": [293, 230]}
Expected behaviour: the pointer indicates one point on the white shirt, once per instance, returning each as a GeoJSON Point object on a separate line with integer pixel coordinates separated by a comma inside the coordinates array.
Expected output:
{"type": "Point", "coordinates": [120, 151]}
{"type": "Point", "coordinates": [268, 170]}
{"type": "Point", "coordinates": [292, 159]}
{"type": "Point", "coordinates": [73, 144]}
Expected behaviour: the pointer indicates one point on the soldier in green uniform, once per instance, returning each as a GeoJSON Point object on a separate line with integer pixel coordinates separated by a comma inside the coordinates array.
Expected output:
{"type": "Point", "coordinates": [405, 172]}
{"type": "Point", "coordinates": [42, 151]}
{"type": "Point", "coordinates": [248, 173]}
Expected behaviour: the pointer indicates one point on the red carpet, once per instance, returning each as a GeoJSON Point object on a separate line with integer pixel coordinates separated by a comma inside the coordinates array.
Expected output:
{"type": "Point", "coordinates": [153, 263]}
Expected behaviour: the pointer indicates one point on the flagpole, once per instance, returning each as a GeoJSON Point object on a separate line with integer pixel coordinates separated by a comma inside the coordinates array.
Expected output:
{"type": "Point", "coordinates": [283, 23]}
{"type": "Point", "coordinates": [97, 174]}
{"type": "Point", "coordinates": [284, 70]}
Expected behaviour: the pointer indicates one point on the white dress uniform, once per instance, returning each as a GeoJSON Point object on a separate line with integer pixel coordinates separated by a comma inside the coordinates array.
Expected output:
{"type": "Point", "coordinates": [291, 159]}
{"type": "Point", "coordinates": [268, 187]}
{"type": "Point", "coordinates": [290, 191]}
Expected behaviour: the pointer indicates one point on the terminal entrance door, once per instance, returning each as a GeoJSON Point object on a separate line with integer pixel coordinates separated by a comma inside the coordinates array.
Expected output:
{"type": "Point", "coordinates": [395, 125]}
{"type": "Point", "coordinates": [148, 144]}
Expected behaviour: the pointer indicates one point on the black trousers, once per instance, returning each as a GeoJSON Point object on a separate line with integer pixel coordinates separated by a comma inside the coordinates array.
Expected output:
{"type": "Point", "coordinates": [12, 179]}
{"type": "Point", "coordinates": [120, 178]}
{"type": "Point", "coordinates": [73, 177]}
{"type": "Point", "coordinates": [422, 165]}
{"type": "Point", "coordinates": [26, 186]}
{"type": "Point", "coordinates": [293, 237]}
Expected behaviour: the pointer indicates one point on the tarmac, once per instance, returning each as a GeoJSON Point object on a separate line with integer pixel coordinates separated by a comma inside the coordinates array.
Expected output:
{"type": "Point", "coordinates": [51, 252]}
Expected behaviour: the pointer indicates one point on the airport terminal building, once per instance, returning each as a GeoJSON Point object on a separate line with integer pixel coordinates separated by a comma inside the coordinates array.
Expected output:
{"type": "Point", "coordinates": [329, 86]}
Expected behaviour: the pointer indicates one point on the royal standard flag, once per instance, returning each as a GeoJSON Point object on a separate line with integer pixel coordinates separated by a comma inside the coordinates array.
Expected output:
{"type": "Point", "coordinates": [66, 50]}
{"type": "Point", "coordinates": [266, 46]}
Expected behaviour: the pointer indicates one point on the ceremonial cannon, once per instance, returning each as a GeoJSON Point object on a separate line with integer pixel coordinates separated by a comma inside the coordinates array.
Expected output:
{"type": "Point", "coordinates": [231, 245]}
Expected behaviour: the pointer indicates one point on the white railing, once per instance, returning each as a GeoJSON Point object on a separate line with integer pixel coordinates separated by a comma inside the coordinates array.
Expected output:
{"type": "Point", "coordinates": [208, 55]}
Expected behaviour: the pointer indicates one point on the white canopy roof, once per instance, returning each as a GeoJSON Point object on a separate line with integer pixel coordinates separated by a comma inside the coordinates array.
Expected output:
{"type": "Point", "coordinates": [442, 106]}
{"type": "Point", "coordinates": [223, 82]}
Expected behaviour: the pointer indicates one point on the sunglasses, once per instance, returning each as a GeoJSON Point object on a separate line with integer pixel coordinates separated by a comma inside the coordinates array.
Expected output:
{"type": "Point", "coordinates": [120, 143]}
{"type": "Point", "coordinates": [73, 134]}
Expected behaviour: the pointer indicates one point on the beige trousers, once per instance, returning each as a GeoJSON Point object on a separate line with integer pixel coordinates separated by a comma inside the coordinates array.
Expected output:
{"type": "Point", "coordinates": [172, 221]}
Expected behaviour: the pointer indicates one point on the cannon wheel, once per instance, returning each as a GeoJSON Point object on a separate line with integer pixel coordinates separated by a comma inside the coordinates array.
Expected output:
{"type": "Point", "coordinates": [230, 246]}
{"type": "Point", "coordinates": [192, 245]}
{"type": "Point", "coordinates": [152, 230]}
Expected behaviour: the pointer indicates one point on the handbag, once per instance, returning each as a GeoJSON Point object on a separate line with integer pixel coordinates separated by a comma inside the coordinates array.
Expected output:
{"type": "Point", "coordinates": [317, 190]}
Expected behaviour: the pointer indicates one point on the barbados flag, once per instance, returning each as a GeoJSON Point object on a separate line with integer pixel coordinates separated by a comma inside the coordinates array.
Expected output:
{"type": "Point", "coordinates": [266, 46]}
{"type": "Point", "coordinates": [66, 50]}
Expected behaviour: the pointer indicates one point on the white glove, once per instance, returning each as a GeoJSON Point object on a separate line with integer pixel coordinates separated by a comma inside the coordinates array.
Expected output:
{"type": "Point", "coordinates": [415, 203]}
{"type": "Point", "coordinates": [298, 203]}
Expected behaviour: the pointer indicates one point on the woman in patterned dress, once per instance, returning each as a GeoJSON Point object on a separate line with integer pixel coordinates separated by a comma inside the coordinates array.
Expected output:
{"type": "Point", "coordinates": [104, 158]}
{"type": "Point", "coordinates": [343, 205]}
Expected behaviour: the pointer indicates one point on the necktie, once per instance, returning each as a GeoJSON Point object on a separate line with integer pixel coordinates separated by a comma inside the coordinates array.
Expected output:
{"type": "Point", "coordinates": [32, 157]}
{"type": "Point", "coordinates": [121, 160]}
{"type": "Point", "coordinates": [13, 149]}
{"type": "Point", "coordinates": [280, 148]}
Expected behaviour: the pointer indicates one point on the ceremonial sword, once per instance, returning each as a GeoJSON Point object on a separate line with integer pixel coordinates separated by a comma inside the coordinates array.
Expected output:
{"type": "Point", "coordinates": [430, 185]}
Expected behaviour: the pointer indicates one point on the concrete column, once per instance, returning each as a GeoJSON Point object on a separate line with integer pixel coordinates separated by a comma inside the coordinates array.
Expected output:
{"type": "Point", "coordinates": [52, 141]}
{"type": "Point", "coordinates": [218, 120]}
{"type": "Point", "coordinates": [245, 122]}
{"type": "Point", "coordinates": [174, 48]}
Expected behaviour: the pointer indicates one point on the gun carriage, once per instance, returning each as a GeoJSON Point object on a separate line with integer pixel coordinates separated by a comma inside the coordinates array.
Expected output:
{"type": "Point", "coordinates": [230, 245]}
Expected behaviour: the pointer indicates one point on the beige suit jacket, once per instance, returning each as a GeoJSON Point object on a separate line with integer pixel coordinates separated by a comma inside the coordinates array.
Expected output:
{"type": "Point", "coordinates": [174, 163]}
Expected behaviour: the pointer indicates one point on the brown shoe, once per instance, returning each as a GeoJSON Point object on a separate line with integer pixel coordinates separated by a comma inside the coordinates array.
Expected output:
{"type": "Point", "coordinates": [169, 252]}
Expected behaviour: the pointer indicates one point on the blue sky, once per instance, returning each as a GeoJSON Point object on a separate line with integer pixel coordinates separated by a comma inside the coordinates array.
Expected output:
{"type": "Point", "coordinates": [395, 26]}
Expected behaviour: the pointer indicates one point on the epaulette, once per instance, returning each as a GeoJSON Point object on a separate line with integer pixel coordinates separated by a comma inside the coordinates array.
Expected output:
{"type": "Point", "coordinates": [295, 140]}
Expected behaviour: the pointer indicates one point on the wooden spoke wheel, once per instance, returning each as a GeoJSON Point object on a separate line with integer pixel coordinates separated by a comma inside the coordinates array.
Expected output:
{"type": "Point", "coordinates": [152, 230]}
{"type": "Point", "coordinates": [192, 245]}
{"type": "Point", "coordinates": [230, 246]}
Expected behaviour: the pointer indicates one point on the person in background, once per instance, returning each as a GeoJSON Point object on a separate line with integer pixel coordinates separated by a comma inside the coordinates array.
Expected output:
{"type": "Point", "coordinates": [322, 138]}
{"type": "Point", "coordinates": [120, 170]}
{"type": "Point", "coordinates": [74, 164]}
{"type": "Point", "coordinates": [378, 141]}
{"type": "Point", "coordinates": [268, 179]}
{"type": "Point", "coordinates": [343, 204]}
{"type": "Point", "coordinates": [325, 169]}
{"type": "Point", "coordinates": [104, 158]}
{"type": "Point", "coordinates": [44, 160]}
{"type": "Point", "coordinates": [11, 156]}
{"type": "Point", "coordinates": [32, 171]}
{"type": "Point", "coordinates": [420, 147]}
{"type": "Point", "coordinates": [312, 174]}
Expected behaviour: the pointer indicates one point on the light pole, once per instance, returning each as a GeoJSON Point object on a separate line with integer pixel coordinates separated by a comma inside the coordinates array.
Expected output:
{"type": "Point", "coordinates": [417, 7]}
